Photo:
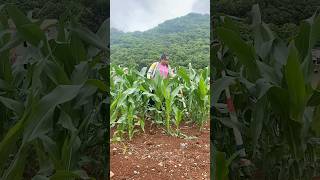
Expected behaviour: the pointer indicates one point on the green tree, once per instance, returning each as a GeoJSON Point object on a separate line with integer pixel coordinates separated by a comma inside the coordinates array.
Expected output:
{"type": "Point", "coordinates": [185, 39]}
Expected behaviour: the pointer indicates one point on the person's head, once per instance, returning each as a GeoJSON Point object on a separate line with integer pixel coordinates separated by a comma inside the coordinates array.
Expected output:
{"type": "Point", "coordinates": [164, 59]}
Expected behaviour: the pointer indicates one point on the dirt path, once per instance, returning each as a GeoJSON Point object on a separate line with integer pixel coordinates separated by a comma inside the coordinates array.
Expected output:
{"type": "Point", "coordinates": [155, 155]}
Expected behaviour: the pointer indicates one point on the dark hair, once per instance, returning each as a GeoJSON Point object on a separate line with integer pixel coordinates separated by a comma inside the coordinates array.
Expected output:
{"type": "Point", "coordinates": [163, 56]}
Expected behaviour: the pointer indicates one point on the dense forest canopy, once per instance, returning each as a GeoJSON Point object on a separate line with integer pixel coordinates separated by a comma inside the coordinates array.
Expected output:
{"type": "Point", "coordinates": [282, 15]}
{"type": "Point", "coordinates": [90, 13]}
{"type": "Point", "coordinates": [184, 39]}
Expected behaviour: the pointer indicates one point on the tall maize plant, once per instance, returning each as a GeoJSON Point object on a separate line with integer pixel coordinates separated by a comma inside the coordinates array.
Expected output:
{"type": "Point", "coordinates": [276, 100]}
{"type": "Point", "coordinates": [183, 97]}
{"type": "Point", "coordinates": [52, 98]}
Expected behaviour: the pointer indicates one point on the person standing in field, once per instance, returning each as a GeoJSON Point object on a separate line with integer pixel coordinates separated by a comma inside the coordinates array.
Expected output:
{"type": "Point", "coordinates": [162, 67]}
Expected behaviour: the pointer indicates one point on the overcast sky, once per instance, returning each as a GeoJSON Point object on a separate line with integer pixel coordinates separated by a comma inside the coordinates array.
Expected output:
{"type": "Point", "coordinates": [141, 15]}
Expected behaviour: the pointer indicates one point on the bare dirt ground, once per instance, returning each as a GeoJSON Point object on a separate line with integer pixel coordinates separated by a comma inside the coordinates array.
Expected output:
{"type": "Point", "coordinates": [155, 155]}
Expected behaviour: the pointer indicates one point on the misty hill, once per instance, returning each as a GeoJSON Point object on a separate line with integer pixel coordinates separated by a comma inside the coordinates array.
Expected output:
{"type": "Point", "coordinates": [186, 39]}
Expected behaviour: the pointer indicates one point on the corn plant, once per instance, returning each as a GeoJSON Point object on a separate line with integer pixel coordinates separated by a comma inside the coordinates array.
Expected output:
{"type": "Point", "coordinates": [196, 92]}
{"type": "Point", "coordinates": [127, 104]}
{"type": "Point", "coordinates": [133, 90]}
{"type": "Point", "coordinates": [51, 97]}
{"type": "Point", "coordinates": [178, 115]}
{"type": "Point", "coordinates": [276, 100]}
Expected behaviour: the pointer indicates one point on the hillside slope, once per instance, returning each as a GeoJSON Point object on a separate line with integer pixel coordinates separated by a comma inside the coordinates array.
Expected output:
{"type": "Point", "coordinates": [186, 39]}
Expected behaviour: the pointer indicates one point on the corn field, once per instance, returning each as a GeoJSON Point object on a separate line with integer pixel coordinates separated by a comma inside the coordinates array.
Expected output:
{"type": "Point", "coordinates": [182, 98]}
{"type": "Point", "coordinates": [275, 97]}
{"type": "Point", "coordinates": [52, 98]}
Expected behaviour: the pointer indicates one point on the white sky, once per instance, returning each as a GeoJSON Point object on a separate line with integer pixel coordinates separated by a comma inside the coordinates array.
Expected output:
{"type": "Point", "coordinates": [141, 15]}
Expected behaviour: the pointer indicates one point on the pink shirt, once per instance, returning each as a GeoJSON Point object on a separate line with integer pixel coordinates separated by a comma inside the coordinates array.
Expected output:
{"type": "Point", "coordinates": [163, 69]}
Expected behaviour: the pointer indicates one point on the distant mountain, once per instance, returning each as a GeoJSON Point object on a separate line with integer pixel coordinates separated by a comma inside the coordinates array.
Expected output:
{"type": "Point", "coordinates": [115, 32]}
{"type": "Point", "coordinates": [186, 39]}
{"type": "Point", "coordinates": [190, 22]}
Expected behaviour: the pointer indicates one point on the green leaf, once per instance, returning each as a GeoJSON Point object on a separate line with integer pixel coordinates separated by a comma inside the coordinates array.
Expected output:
{"type": "Point", "coordinates": [315, 31]}
{"type": "Point", "coordinates": [51, 148]}
{"type": "Point", "coordinates": [38, 128]}
{"type": "Point", "coordinates": [104, 31]}
{"type": "Point", "coordinates": [2, 7]}
{"type": "Point", "coordinates": [261, 88]}
{"type": "Point", "coordinates": [16, 169]}
{"type": "Point", "coordinates": [47, 23]}
{"type": "Point", "coordinates": [308, 43]}
{"type": "Point", "coordinates": [5, 86]}
{"type": "Point", "coordinates": [293, 135]}
{"type": "Point", "coordinates": [8, 142]}
{"type": "Point", "coordinates": [314, 100]}
{"type": "Point", "coordinates": [280, 52]}
{"type": "Point", "coordinates": [88, 37]}
{"type": "Point", "coordinates": [61, 37]}
{"type": "Point", "coordinates": [221, 168]}
{"type": "Point", "coordinates": [26, 29]}
{"type": "Point", "coordinates": [78, 174]}
{"type": "Point", "coordinates": [80, 73]}
{"type": "Point", "coordinates": [302, 40]}
{"type": "Point", "coordinates": [62, 54]}
{"type": "Point", "coordinates": [257, 121]}
{"type": "Point", "coordinates": [182, 72]}
{"type": "Point", "coordinates": [97, 83]}
{"type": "Point", "coordinates": [220, 85]}
{"type": "Point", "coordinates": [256, 15]}
{"type": "Point", "coordinates": [77, 48]}
{"type": "Point", "coordinates": [176, 91]}
{"type": "Point", "coordinates": [316, 121]}
{"type": "Point", "coordinates": [230, 24]}
{"type": "Point", "coordinates": [243, 51]}
{"type": "Point", "coordinates": [5, 67]}
{"type": "Point", "coordinates": [85, 95]}
{"type": "Point", "coordinates": [141, 121]}
{"type": "Point", "coordinates": [40, 177]}
{"type": "Point", "coordinates": [14, 42]}
{"type": "Point", "coordinates": [263, 50]}
{"type": "Point", "coordinates": [31, 33]}
{"type": "Point", "coordinates": [296, 85]}
{"type": "Point", "coordinates": [66, 121]}
{"type": "Point", "coordinates": [269, 73]}
{"type": "Point", "coordinates": [14, 105]}
{"type": "Point", "coordinates": [263, 36]}
{"type": "Point", "coordinates": [17, 16]}
{"type": "Point", "coordinates": [45, 107]}
{"type": "Point", "coordinates": [202, 88]}
{"type": "Point", "coordinates": [151, 95]}
{"type": "Point", "coordinates": [56, 73]}
{"type": "Point", "coordinates": [64, 175]}
{"type": "Point", "coordinates": [104, 35]}
{"type": "Point", "coordinates": [70, 150]}
{"type": "Point", "coordinates": [279, 98]}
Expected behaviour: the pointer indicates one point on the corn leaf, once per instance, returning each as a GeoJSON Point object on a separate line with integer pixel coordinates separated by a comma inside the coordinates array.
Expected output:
{"type": "Point", "coordinates": [296, 85]}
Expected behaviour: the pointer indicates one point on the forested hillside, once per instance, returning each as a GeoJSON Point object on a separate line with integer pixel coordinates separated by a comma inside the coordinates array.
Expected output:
{"type": "Point", "coordinates": [185, 39]}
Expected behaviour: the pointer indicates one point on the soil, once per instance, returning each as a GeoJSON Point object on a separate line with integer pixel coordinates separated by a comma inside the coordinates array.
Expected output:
{"type": "Point", "coordinates": [155, 155]}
